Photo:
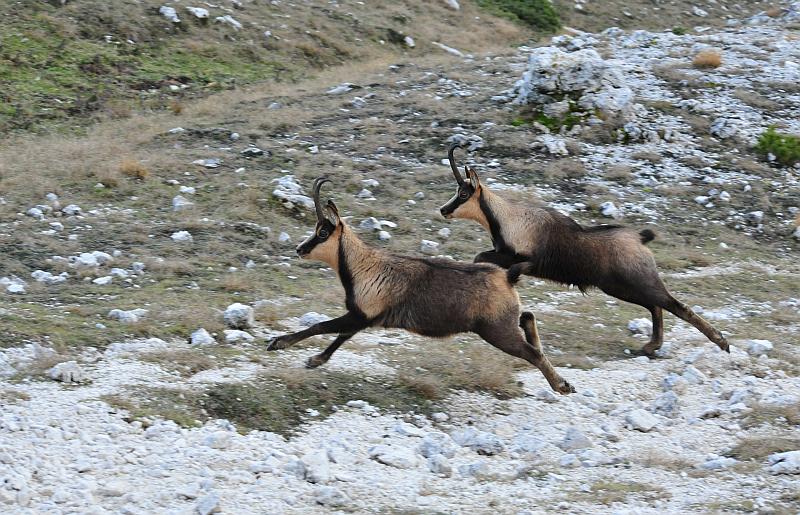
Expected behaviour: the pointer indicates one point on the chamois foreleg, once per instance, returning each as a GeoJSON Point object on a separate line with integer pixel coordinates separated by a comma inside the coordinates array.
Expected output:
{"type": "Point", "coordinates": [324, 356]}
{"type": "Point", "coordinates": [349, 323]}
{"type": "Point", "coordinates": [512, 340]}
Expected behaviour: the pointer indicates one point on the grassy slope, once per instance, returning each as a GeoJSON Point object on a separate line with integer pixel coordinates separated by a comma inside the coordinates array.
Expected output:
{"type": "Point", "coordinates": [63, 65]}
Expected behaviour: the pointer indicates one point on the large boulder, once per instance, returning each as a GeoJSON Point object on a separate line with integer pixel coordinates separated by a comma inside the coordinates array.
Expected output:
{"type": "Point", "coordinates": [578, 85]}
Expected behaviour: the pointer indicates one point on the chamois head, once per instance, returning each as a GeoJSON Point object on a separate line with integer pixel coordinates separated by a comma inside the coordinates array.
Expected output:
{"type": "Point", "coordinates": [323, 244]}
{"type": "Point", "coordinates": [465, 203]}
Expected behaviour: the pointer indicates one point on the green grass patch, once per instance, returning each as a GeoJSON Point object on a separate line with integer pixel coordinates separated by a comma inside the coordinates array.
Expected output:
{"type": "Point", "coordinates": [540, 15]}
{"type": "Point", "coordinates": [785, 147]}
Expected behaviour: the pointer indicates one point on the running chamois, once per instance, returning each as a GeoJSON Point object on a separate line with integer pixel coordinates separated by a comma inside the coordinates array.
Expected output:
{"type": "Point", "coordinates": [427, 296]}
{"type": "Point", "coordinates": [553, 246]}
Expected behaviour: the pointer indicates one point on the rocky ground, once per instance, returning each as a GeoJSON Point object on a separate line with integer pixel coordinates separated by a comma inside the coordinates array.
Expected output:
{"type": "Point", "coordinates": [126, 388]}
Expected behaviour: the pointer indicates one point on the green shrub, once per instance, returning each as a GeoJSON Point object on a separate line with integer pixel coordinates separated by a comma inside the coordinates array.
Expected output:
{"type": "Point", "coordinates": [537, 14]}
{"type": "Point", "coordinates": [785, 147]}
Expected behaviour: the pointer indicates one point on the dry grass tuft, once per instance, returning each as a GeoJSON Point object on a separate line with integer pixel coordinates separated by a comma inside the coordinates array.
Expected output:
{"type": "Point", "coordinates": [133, 169]}
{"type": "Point", "coordinates": [564, 169]}
{"type": "Point", "coordinates": [176, 107]}
{"type": "Point", "coordinates": [707, 59]}
{"type": "Point", "coordinates": [767, 414]}
{"type": "Point", "coordinates": [9, 396]}
{"type": "Point", "coordinates": [445, 367]}
{"type": "Point", "coordinates": [759, 447]}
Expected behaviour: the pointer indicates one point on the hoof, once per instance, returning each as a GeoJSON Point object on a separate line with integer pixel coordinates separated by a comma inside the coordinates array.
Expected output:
{"type": "Point", "coordinates": [315, 361]}
{"type": "Point", "coordinates": [564, 388]}
{"type": "Point", "coordinates": [277, 344]}
{"type": "Point", "coordinates": [645, 351]}
{"type": "Point", "coordinates": [724, 345]}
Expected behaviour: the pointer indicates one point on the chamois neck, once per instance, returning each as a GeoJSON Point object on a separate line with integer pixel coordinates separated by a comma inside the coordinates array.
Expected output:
{"type": "Point", "coordinates": [354, 254]}
{"type": "Point", "coordinates": [493, 207]}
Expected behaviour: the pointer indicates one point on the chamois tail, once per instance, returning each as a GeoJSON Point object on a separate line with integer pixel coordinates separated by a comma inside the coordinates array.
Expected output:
{"type": "Point", "coordinates": [647, 236]}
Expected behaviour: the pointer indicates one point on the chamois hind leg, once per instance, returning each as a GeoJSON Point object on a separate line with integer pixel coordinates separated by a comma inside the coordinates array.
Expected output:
{"type": "Point", "coordinates": [511, 340]}
{"type": "Point", "coordinates": [345, 324]}
{"type": "Point", "coordinates": [684, 312]}
{"type": "Point", "coordinates": [323, 357]}
{"type": "Point", "coordinates": [496, 258]}
{"type": "Point", "coordinates": [657, 338]}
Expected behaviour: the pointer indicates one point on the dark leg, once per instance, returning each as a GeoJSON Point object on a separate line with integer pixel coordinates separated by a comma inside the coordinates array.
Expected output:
{"type": "Point", "coordinates": [496, 258]}
{"type": "Point", "coordinates": [511, 340]}
{"type": "Point", "coordinates": [324, 356]}
{"type": "Point", "coordinates": [657, 339]}
{"type": "Point", "coordinates": [684, 312]}
{"type": "Point", "coordinates": [350, 323]}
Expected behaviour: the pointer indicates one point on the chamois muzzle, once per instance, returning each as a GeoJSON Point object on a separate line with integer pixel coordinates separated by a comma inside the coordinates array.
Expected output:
{"type": "Point", "coordinates": [453, 166]}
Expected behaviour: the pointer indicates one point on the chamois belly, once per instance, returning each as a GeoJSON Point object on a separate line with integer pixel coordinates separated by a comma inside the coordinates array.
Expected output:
{"type": "Point", "coordinates": [424, 320]}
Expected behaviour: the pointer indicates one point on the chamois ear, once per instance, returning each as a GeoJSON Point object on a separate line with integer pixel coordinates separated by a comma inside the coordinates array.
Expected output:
{"type": "Point", "coordinates": [474, 180]}
{"type": "Point", "coordinates": [333, 213]}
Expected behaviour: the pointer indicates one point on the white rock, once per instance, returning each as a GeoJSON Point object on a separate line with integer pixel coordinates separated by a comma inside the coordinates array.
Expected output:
{"type": "Point", "coordinates": [284, 238]}
{"type": "Point", "coordinates": [444, 232]}
{"type": "Point", "coordinates": [429, 247]}
{"type": "Point", "coordinates": [481, 442]}
{"type": "Point", "coordinates": [437, 443]}
{"type": "Point", "coordinates": [331, 496]}
{"type": "Point", "coordinates": [67, 372]}
{"type": "Point", "coordinates": [717, 464]}
{"type": "Point", "coordinates": [641, 420]}
{"type": "Point", "coordinates": [311, 318]}
{"type": "Point", "coordinates": [71, 210]}
{"type": "Point", "coordinates": [48, 278]}
{"type": "Point", "coordinates": [115, 488]}
{"type": "Point", "coordinates": [288, 190]}
{"type": "Point", "coordinates": [182, 236]}
{"type": "Point", "coordinates": [546, 395]}
{"type": "Point", "coordinates": [641, 326]}
{"type": "Point", "coordinates": [127, 317]}
{"type": "Point", "coordinates": [103, 281]}
{"type": "Point", "coordinates": [317, 467]}
{"type": "Point", "coordinates": [409, 41]}
{"type": "Point", "coordinates": [342, 88]}
{"type": "Point", "coordinates": [235, 335]}
{"type": "Point", "coordinates": [666, 404]}
{"type": "Point", "coordinates": [218, 440]}
{"type": "Point", "coordinates": [384, 235]}
{"type": "Point", "coordinates": [239, 316]}
{"type": "Point", "coordinates": [785, 462]}
{"type": "Point", "coordinates": [554, 145]}
{"type": "Point", "coordinates": [180, 203]}
{"type": "Point", "coordinates": [755, 217]}
{"type": "Point", "coordinates": [202, 337]}
{"type": "Point", "coordinates": [609, 210]}
{"type": "Point", "coordinates": [169, 13]}
{"type": "Point", "coordinates": [370, 223]}
{"type": "Point", "coordinates": [452, 4]}
{"type": "Point", "coordinates": [594, 84]}
{"type": "Point", "coordinates": [758, 347]}
{"type": "Point", "coordinates": [694, 376]}
{"type": "Point", "coordinates": [35, 212]}
{"type": "Point", "coordinates": [449, 50]}
{"type": "Point", "coordinates": [207, 504]}
{"type": "Point", "coordinates": [438, 464]}
{"type": "Point", "coordinates": [398, 457]}
{"type": "Point", "coordinates": [228, 20]}
{"type": "Point", "coordinates": [472, 142]}
{"type": "Point", "coordinates": [440, 417]}
{"type": "Point", "coordinates": [198, 12]}
{"type": "Point", "coordinates": [575, 439]}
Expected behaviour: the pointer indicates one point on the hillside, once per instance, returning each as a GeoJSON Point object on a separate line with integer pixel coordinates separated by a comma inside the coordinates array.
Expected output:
{"type": "Point", "coordinates": [120, 241]}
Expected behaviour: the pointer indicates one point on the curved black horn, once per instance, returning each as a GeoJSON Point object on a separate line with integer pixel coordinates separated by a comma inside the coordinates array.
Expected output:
{"type": "Point", "coordinates": [317, 207]}
{"type": "Point", "coordinates": [452, 160]}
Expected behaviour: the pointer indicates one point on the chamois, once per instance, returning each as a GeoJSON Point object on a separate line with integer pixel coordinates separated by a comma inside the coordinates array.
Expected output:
{"type": "Point", "coordinates": [427, 296]}
{"type": "Point", "coordinates": [553, 246]}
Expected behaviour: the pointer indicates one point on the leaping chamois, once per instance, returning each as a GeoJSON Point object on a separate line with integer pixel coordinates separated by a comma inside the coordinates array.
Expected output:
{"type": "Point", "coordinates": [427, 296]}
{"type": "Point", "coordinates": [553, 246]}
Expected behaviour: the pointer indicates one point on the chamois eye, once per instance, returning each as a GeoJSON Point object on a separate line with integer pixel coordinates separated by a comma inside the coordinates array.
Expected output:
{"type": "Point", "coordinates": [463, 194]}
{"type": "Point", "coordinates": [323, 234]}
